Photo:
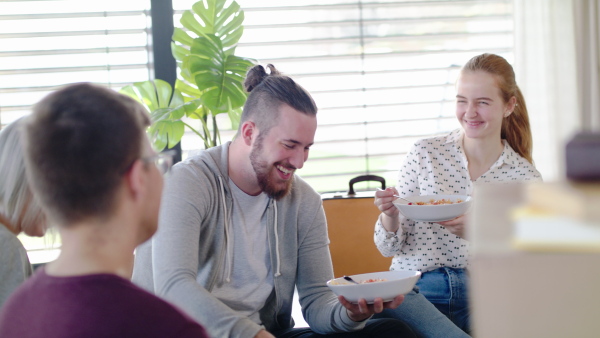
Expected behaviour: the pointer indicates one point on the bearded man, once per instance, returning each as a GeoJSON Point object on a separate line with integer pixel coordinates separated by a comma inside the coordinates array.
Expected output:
{"type": "Point", "coordinates": [239, 230]}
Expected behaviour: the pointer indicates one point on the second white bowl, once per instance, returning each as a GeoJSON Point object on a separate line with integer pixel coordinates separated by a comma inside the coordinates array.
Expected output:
{"type": "Point", "coordinates": [433, 213]}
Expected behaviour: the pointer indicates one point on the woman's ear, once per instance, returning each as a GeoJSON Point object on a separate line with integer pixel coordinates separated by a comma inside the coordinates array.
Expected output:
{"type": "Point", "coordinates": [510, 107]}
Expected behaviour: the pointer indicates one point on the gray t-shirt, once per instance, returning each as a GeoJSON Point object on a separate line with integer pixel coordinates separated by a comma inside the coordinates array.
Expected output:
{"type": "Point", "coordinates": [14, 263]}
{"type": "Point", "coordinates": [252, 279]}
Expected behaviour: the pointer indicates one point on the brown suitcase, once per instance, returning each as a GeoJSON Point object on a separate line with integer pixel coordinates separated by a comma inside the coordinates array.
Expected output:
{"type": "Point", "coordinates": [351, 221]}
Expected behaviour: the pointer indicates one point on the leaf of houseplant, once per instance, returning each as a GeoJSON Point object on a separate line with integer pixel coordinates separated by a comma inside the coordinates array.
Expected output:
{"type": "Point", "coordinates": [232, 31]}
{"type": "Point", "coordinates": [151, 94]}
{"type": "Point", "coordinates": [182, 37]}
{"type": "Point", "coordinates": [212, 18]}
{"type": "Point", "coordinates": [208, 13]}
{"type": "Point", "coordinates": [211, 77]}
{"type": "Point", "coordinates": [163, 93]}
{"type": "Point", "coordinates": [177, 99]}
{"type": "Point", "coordinates": [231, 90]}
{"type": "Point", "coordinates": [128, 90]}
{"type": "Point", "coordinates": [162, 114]}
{"type": "Point", "coordinates": [145, 93]}
{"type": "Point", "coordinates": [166, 133]}
{"type": "Point", "coordinates": [189, 21]}
{"type": "Point", "coordinates": [166, 109]}
{"type": "Point", "coordinates": [218, 76]}
{"type": "Point", "coordinates": [185, 88]}
{"type": "Point", "coordinates": [186, 109]}
{"type": "Point", "coordinates": [235, 116]}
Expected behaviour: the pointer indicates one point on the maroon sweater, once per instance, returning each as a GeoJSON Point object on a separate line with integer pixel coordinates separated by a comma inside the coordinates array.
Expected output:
{"type": "Point", "coordinates": [101, 305]}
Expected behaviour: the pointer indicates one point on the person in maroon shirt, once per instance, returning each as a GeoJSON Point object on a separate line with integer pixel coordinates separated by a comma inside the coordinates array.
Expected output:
{"type": "Point", "coordinates": [99, 181]}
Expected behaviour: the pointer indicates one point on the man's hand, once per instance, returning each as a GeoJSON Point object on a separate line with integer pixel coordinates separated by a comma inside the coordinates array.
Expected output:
{"type": "Point", "coordinates": [362, 310]}
{"type": "Point", "coordinates": [264, 334]}
{"type": "Point", "coordinates": [456, 226]}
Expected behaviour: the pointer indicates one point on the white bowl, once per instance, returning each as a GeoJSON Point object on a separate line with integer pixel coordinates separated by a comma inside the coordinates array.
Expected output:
{"type": "Point", "coordinates": [433, 213]}
{"type": "Point", "coordinates": [396, 283]}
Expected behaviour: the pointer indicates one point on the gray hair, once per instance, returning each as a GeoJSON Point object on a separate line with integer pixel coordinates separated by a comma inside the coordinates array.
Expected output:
{"type": "Point", "coordinates": [16, 199]}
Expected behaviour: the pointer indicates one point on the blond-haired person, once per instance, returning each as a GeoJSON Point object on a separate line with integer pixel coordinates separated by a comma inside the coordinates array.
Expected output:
{"type": "Point", "coordinates": [19, 212]}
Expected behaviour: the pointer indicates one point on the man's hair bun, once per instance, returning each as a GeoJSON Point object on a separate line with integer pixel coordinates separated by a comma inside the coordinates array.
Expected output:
{"type": "Point", "coordinates": [257, 74]}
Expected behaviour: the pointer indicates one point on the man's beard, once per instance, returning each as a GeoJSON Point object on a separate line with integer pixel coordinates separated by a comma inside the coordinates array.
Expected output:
{"type": "Point", "coordinates": [263, 171]}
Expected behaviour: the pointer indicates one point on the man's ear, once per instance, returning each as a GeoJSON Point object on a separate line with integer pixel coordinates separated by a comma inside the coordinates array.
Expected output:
{"type": "Point", "coordinates": [134, 179]}
{"type": "Point", "coordinates": [248, 132]}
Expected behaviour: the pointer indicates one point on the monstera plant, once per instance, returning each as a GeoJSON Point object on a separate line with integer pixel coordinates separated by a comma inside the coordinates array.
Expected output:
{"type": "Point", "coordinates": [210, 80]}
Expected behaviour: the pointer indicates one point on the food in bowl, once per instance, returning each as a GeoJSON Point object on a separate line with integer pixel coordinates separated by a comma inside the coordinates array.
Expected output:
{"type": "Point", "coordinates": [433, 208]}
{"type": "Point", "coordinates": [370, 280]}
{"type": "Point", "coordinates": [436, 202]}
{"type": "Point", "coordinates": [373, 280]}
{"type": "Point", "coordinates": [386, 285]}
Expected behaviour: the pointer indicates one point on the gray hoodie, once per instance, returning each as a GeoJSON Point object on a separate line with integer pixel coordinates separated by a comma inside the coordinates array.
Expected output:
{"type": "Point", "coordinates": [191, 253]}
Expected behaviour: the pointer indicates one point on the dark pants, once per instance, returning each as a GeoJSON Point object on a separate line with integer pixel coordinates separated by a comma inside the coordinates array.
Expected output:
{"type": "Point", "coordinates": [380, 328]}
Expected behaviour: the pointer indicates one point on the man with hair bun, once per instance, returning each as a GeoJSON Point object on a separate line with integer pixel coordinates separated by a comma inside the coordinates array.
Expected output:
{"type": "Point", "coordinates": [239, 230]}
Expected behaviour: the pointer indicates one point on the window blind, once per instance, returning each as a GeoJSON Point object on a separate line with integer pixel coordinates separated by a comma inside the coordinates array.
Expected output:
{"type": "Point", "coordinates": [381, 72]}
{"type": "Point", "coordinates": [46, 44]}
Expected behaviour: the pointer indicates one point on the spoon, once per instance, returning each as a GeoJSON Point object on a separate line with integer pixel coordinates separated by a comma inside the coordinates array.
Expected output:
{"type": "Point", "coordinates": [348, 278]}
{"type": "Point", "coordinates": [398, 196]}
{"type": "Point", "coordinates": [402, 198]}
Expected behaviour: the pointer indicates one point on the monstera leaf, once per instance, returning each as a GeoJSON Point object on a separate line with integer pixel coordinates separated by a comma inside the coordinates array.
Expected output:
{"type": "Point", "coordinates": [151, 94]}
{"type": "Point", "coordinates": [210, 80]}
{"type": "Point", "coordinates": [208, 68]}
{"type": "Point", "coordinates": [166, 109]}
{"type": "Point", "coordinates": [212, 18]}
{"type": "Point", "coordinates": [218, 76]}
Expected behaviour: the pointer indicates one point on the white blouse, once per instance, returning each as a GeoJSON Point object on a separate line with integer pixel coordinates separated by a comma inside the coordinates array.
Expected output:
{"type": "Point", "coordinates": [438, 166]}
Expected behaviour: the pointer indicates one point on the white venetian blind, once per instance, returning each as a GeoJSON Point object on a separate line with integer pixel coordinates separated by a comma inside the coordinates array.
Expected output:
{"type": "Point", "coordinates": [46, 44]}
{"type": "Point", "coordinates": [381, 72]}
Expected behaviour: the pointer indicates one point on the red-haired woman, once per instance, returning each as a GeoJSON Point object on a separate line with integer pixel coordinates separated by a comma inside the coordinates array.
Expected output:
{"type": "Point", "coordinates": [493, 145]}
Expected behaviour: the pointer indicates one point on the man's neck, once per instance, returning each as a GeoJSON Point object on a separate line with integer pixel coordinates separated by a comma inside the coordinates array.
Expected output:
{"type": "Point", "coordinates": [95, 247]}
{"type": "Point", "coordinates": [240, 169]}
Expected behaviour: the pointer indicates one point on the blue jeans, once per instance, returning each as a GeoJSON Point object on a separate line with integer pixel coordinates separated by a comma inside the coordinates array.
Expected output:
{"type": "Point", "coordinates": [447, 289]}
{"type": "Point", "coordinates": [424, 318]}
{"type": "Point", "coordinates": [380, 328]}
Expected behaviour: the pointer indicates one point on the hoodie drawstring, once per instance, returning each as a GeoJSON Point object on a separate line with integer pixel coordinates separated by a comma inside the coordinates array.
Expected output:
{"type": "Point", "coordinates": [278, 261]}
{"type": "Point", "coordinates": [227, 239]}
{"type": "Point", "coordinates": [278, 271]}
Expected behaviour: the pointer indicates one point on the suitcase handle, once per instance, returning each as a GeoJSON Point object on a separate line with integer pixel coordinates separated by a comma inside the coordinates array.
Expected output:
{"type": "Point", "coordinates": [364, 178]}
